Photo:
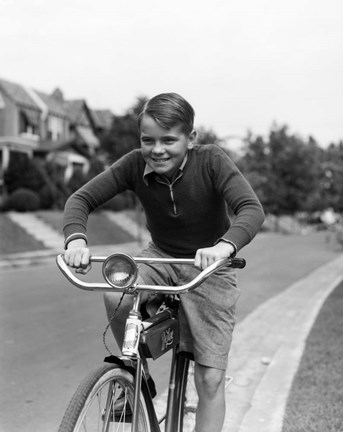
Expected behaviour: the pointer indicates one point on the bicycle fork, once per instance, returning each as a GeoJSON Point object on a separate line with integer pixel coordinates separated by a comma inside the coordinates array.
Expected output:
{"type": "Point", "coordinates": [177, 381]}
{"type": "Point", "coordinates": [137, 387]}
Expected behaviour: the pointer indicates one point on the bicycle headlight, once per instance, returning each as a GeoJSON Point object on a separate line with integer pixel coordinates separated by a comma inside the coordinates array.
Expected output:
{"type": "Point", "coordinates": [120, 270]}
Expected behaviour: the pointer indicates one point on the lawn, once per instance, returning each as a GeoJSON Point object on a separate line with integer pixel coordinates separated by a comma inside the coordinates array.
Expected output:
{"type": "Point", "coordinates": [100, 231]}
{"type": "Point", "coordinates": [315, 403]}
{"type": "Point", "coordinates": [14, 239]}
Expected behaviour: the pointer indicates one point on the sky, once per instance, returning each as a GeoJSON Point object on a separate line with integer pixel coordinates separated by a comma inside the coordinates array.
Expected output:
{"type": "Point", "coordinates": [243, 65]}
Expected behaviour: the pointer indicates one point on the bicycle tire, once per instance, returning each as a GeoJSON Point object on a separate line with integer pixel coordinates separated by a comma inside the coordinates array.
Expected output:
{"type": "Point", "coordinates": [102, 387]}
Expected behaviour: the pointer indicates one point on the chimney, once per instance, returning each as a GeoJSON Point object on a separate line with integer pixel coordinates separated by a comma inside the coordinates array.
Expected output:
{"type": "Point", "coordinates": [58, 95]}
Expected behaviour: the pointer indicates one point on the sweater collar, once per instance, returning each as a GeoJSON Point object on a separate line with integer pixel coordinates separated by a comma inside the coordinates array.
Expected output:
{"type": "Point", "coordinates": [148, 170]}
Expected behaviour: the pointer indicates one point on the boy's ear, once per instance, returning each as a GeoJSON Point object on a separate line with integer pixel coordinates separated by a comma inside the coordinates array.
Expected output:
{"type": "Point", "coordinates": [192, 138]}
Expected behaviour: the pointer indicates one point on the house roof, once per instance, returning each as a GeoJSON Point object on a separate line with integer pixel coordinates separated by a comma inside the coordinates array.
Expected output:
{"type": "Point", "coordinates": [87, 136]}
{"type": "Point", "coordinates": [77, 111]}
{"type": "Point", "coordinates": [103, 118]}
{"type": "Point", "coordinates": [74, 109]}
{"type": "Point", "coordinates": [18, 94]}
{"type": "Point", "coordinates": [55, 106]}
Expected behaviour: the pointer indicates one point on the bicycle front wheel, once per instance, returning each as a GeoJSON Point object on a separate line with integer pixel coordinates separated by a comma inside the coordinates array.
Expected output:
{"type": "Point", "coordinates": [104, 402]}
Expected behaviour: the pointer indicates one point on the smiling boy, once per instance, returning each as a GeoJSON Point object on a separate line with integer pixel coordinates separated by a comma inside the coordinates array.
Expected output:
{"type": "Point", "coordinates": [185, 190]}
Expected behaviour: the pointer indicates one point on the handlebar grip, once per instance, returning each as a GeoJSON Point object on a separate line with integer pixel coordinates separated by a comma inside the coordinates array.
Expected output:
{"type": "Point", "coordinates": [238, 263]}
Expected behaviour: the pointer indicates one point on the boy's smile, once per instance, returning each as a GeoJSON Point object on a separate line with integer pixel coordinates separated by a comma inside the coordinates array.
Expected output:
{"type": "Point", "coordinates": [164, 149]}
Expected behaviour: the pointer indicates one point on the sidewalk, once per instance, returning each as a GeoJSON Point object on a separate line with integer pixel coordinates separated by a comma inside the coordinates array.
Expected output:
{"type": "Point", "coordinates": [268, 343]}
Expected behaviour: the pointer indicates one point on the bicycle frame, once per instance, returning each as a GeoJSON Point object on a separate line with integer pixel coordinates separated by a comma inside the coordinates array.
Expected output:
{"type": "Point", "coordinates": [132, 360]}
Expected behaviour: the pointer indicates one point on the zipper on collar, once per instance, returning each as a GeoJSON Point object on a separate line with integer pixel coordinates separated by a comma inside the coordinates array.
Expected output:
{"type": "Point", "coordinates": [172, 197]}
{"type": "Point", "coordinates": [171, 192]}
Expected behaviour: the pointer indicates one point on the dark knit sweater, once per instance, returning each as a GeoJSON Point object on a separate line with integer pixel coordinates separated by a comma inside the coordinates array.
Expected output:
{"type": "Point", "coordinates": [183, 215]}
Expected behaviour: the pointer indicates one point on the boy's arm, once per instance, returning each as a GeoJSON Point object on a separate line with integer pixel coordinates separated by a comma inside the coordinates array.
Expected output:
{"type": "Point", "coordinates": [241, 198]}
{"type": "Point", "coordinates": [92, 195]}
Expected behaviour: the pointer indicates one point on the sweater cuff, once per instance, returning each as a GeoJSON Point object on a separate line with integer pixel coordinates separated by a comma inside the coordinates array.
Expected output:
{"type": "Point", "coordinates": [74, 237]}
{"type": "Point", "coordinates": [231, 243]}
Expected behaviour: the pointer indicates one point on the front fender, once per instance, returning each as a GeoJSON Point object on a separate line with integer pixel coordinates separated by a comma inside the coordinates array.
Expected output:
{"type": "Point", "coordinates": [123, 362]}
{"type": "Point", "coordinates": [130, 365]}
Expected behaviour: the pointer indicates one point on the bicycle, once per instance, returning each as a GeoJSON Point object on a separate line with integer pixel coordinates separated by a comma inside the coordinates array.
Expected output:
{"type": "Point", "coordinates": [116, 396]}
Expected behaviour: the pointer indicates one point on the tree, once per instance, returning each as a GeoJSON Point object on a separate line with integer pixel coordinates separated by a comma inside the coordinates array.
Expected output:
{"type": "Point", "coordinates": [255, 166]}
{"type": "Point", "coordinates": [293, 171]}
{"type": "Point", "coordinates": [283, 170]}
{"type": "Point", "coordinates": [123, 136]}
{"type": "Point", "coordinates": [206, 136]}
{"type": "Point", "coordinates": [332, 177]}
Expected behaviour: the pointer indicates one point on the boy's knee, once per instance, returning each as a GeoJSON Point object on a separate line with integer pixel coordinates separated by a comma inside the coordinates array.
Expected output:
{"type": "Point", "coordinates": [209, 380]}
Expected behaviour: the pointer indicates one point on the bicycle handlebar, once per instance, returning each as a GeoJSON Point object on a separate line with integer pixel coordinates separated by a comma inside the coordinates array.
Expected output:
{"type": "Point", "coordinates": [105, 287]}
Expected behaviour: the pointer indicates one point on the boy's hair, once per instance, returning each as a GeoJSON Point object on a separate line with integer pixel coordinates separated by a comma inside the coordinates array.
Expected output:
{"type": "Point", "coordinates": [169, 110]}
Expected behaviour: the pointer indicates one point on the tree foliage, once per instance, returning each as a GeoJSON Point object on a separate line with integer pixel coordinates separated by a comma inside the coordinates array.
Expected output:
{"type": "Point", "coordinates": [123, 135]}
{"type": "Point", "coordinates": [206, 136]}
{"type": "Point", "coordinates": [286, 172]}
{"type": "Point", "coordinates": [332, 177]}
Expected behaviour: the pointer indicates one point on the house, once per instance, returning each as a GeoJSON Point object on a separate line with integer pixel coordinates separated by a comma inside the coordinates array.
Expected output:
{"type": "Point", "coordinates": [20, 122]}
{"type": "Point", "coordinates": [103, 120]}
{"type": "Point", "coordinates": [69, 145]}
{"type": "Point", "coordinates": [37, 124]}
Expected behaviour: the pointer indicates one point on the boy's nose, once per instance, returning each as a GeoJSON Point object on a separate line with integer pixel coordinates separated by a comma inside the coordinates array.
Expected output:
{"type": "Point", "coordinates": [158, 147]}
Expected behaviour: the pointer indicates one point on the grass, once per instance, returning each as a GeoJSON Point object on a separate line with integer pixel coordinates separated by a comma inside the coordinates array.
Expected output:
{"type": "Point", "coordinates": [100, 230]}
{"type": "Point", "coordinates": [316, 398]}
{"type": "Point", "coordinates": [14, 239]}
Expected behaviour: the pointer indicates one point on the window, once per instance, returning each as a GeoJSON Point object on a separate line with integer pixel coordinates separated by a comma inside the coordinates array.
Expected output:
{"type": "Point", "coordinates": [29, 122]}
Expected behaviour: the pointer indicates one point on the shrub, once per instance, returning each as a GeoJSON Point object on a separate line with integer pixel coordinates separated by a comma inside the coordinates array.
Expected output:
{"type": "Point", "coordinates": [23, 200]}
{"type": "Point", "coordinates": [23, 172]}
{"type": "Point", "coordinates": [56, 179]}
{"type": "Point", "coordinates": [48, 196]}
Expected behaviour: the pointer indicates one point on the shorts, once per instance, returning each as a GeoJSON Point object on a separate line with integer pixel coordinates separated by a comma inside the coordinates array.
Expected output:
{"type": "Point", "coordinates": [206, 314]}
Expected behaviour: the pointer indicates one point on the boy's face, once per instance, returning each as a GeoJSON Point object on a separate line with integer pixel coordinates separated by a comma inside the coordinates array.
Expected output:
{"type": "Point", "coordinates": [164, 149]}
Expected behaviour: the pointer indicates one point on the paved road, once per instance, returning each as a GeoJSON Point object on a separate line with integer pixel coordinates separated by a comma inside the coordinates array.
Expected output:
{"type": "Point", "coordinates": [51, 336]}
{"type": "Point", "coordinates": [52, 332]}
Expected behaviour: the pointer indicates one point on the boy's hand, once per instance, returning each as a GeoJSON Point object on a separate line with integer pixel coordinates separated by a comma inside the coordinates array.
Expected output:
{"type": "Point", "coordinates": [77, 254]}
{"type": "Point", "coordinates": [207, 256]}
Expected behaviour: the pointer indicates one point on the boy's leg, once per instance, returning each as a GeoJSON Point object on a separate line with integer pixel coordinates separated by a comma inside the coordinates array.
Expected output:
{"type": "Point", "coordinates": [210, 385]}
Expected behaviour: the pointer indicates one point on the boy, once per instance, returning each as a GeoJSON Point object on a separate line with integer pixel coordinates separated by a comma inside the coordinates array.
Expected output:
{"type": "Point", "coordinates": [185, 189]}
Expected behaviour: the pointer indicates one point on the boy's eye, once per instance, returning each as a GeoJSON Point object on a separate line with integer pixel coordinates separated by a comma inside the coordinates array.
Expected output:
{"type": "Point", "coordinates": [169, 140]}
{"type": "Point", "coordinates": [147, 140]}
